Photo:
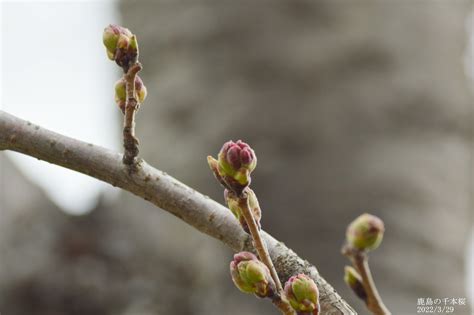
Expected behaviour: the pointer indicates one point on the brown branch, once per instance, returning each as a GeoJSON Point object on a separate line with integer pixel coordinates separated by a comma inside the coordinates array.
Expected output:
{"type": "Point", "coordinates": [360, 260]}
{"type": "Point", "coordinates": [262, 251]}
{"type": "Point", "coordinates": [259, 244]}
{"type": "Point", "coordinates": [130, 141]}
{"type": "Point", "coordinates": [164, 191]}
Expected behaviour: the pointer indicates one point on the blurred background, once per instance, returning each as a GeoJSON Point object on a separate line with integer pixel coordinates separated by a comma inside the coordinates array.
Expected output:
{"type": "Point", "coordinates": [351, 106]}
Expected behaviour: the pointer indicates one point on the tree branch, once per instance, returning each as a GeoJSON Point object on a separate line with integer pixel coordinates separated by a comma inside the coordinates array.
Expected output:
{"type": "Point", "coordinates": [374, 302]}
{"type": "Point", "coordinates": [164, 191]}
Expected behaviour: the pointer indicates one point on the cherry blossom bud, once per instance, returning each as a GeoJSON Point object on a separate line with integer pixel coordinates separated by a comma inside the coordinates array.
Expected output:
{"type": "Point", "coordinates": [140, 89]}
{"type": "Point", "coordinates": [250, 275]}
{"type": "Point", "coordinates": [236, 160]}
{"type": "Point", "coordinates": [303, 294]}
{"type": "Point", "coordinates": [365, 232]}
{"type": "Point", "coordinates": [121, 94]}
{"type": "Point", "coordinates": [110, 38]}
{"type": "Point", "coordinates": [115, 36]}
{"type": "Point", "coordinates": [121, 45]}
{"type": "Point", "coordinates": [354, 281]}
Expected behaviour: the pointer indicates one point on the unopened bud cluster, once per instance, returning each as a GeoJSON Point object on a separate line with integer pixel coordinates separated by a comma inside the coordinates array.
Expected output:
{"type": "Point", "coordinates": [303, 295]}
{"type": "Point", "coordinates": [250, 275]}
{"type": "Point", "coordinates": [121, 93]}
{"type": "Point", "coordinates": [365, 232]}
{"type": "Point", "coordinates": [121, 45]}
{"type": "Point", "coordinates": [235, 163]}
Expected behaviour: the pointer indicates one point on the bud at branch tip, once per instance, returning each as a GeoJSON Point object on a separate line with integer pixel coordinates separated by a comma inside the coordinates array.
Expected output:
{"type": "Point", "coordinates": [365, 232]}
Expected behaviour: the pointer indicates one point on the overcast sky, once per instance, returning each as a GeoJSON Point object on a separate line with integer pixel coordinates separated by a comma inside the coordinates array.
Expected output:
{"type": "Point", "coordinates": [66, 85]}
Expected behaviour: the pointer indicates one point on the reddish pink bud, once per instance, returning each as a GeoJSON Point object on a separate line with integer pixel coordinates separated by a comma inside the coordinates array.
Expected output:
{"type": "Point", "coordinates": [233, 157]}
{"type": "Point", "coordinates": [246, 156]}
{"type": "Point", "coordinates": [236, 161]}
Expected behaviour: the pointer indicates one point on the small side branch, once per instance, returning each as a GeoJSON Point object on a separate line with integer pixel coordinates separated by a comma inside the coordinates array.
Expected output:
{"type": "Point", "coordinates": [262, 251]}
{"type": "Point", "coordinates": [374, 301]}
{"type": "Point", "coordinates": [260, 245]}
{"type": "Point", "coordinates": [130, 141]}
{"type": "Point", "coordinates": [360, 261]}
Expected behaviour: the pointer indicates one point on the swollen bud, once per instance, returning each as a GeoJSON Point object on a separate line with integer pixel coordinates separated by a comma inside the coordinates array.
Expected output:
{"type": "Point", "coordinates": [110, 38]}
{"type": "Point", "coordinates": [140, 89]}
{"type": "Point", "coordinates": [115, 36]}
{"type": "Point", "coordinates": [365, 232]}
{"type": "Point", "coordinates": [303, 294]}
{"type": "Point", "coordinates": [250, 275]}
{"type": "Point", "coordinates": [121, 92]}
{"type": "Point", "coordinates": [233, 202]}
{"type": "Point", "coordinates": [121, 45]}
{"type": "Point", "coordinates": [354, 281]}
{"type": "Point", "coordinates": [236, 160]}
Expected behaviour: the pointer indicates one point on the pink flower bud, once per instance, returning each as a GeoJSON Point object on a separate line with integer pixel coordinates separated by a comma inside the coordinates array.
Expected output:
{"type": "Point", "coordinates": [236, 160]}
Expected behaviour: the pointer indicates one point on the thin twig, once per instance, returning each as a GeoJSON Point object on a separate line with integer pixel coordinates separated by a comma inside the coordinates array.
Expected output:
{"type": "Point", "coordinates": [164, 191]}
{"type": "Point", "coordinates": [130, 141]}
{"type": "Point", "coordinates": [360, 260]}
{"type": "Point", "coordinates": [260, 245]}
{"type": "Point", "coordinates": [262, 251]}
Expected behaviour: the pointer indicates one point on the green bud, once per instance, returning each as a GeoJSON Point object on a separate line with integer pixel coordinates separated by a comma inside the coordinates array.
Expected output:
{"type": "Point", "coordinates": [303, 294]}
{"type": "Point", "coordinates": [114, 37]}
{"type": "Point", "coordinates": [110, 38]}
{"type": "Point", "coordinates": [365, 232]}
{"type": "Point", "coordinates": [233, 202]}
{"type": "Point", "coordinates": [354, 281]}
{"type": "Point", "coordinates": [121, 45]}
{"type": "Point", "coordinates": [140, 89]}
{"type": "Point", "coordinates": [250, 275]}
{"type": "Point", "coordinates": [121, 92]}
{"type": "Point", "coordinates": [214, 166]}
